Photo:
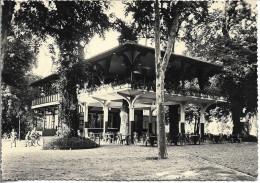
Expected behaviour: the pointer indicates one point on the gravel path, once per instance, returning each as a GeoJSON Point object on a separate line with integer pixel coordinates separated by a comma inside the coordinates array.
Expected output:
{"type": "Point", "coordinates": [114, 162]}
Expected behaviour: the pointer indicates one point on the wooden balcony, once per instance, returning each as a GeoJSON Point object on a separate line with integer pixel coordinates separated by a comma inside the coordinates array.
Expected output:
{"type": "Point", "coordinates": [46, 101]}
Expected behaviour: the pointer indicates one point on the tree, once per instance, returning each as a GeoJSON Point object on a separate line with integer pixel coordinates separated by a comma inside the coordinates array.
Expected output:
{"type": "Point", "coordinates": [18, 54]}
{"type": "Point", "coordinates": [7, 9]}
{"type": "Point", "coordinates": [127, 32]}
{"type": "Point", "coordinates": [72, 25]}
{"type": "Point", "coordinates": [17, 104]}
{"type": "Point", "coordinates": [7, 14]}
{"type": "Point", "coordinates": [172, 15]}
{"type": "Point", "coordinates": [230, 36]}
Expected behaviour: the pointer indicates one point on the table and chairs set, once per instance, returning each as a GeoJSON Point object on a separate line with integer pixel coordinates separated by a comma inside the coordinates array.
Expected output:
{"type": "Point", "coordinates": [110, 137]}
{"type": "Point", "coordinates": [223, 138]}
{"type": "Point", "coordinates": [151, 139]}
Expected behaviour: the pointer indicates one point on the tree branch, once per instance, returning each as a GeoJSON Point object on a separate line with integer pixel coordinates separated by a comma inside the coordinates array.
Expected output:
{"type": "Point", "coordinates": [171, 42]}
{"type": "Point", "coordinates": [157, 38]}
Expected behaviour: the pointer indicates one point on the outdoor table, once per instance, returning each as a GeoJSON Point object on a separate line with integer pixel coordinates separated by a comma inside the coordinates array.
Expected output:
{"type": "Point", "coordinates": [235, 138]}
{"type": "Point", "coordinates": [195, 139]}
{"type": "Point", "coordinates": [151, 140]}
{"type": "Point", "coordinates": [216, 138]}
{"type": "Point", "coordinates": [126, 137]}
{"type": "Point", "coordinates": [109, 137]}
{"type": "Point", "coordinates": [175, 139]}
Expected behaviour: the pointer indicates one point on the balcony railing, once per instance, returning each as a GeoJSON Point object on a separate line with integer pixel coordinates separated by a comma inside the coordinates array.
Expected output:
{"type": "Point", "coordinates": [212, 93]}
{"type": "Point", "coordinates": [46, 99]}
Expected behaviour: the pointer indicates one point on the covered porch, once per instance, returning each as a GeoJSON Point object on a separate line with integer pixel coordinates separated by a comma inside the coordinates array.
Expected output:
{"type": "Point", "coordinates": [123, 79]}
{"type": "Point", "coordinates": [108, 98]}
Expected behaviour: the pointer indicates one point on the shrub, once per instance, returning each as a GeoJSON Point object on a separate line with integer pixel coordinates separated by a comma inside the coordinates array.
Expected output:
{"type": "Point", "coordinates": [250, 138]}
{"type": "Point", "coordinates": [69, 143]}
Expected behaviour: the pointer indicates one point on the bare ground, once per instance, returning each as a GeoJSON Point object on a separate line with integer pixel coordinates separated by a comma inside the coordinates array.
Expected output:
{"type": "Point", "coordinates": [115, 162]}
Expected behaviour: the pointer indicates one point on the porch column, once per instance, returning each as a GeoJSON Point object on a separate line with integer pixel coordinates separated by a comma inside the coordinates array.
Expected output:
{"type": "Point", "coordinates": [150, 119]}
{"type": "Point", "coordinates": [182, 120]}
{"type": "Point", "coordinates": [131, 122]}
{"type": "Point", "coordinates": [44, 119]}
{"type": "Point", "coordinates": [85, 130]}
{"type": "Point", "coordinates": [105, 120]}
{"type": "Point", "coordinates": [202, 120]}
{"type": "Point", "coordinates": [105, 106]}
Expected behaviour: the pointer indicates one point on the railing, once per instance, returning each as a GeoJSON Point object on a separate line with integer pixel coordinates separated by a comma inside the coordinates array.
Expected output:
{"type": "Point", "coordinates": [150, 86]}
{"type": "Point", "coordinates": [46, 99]}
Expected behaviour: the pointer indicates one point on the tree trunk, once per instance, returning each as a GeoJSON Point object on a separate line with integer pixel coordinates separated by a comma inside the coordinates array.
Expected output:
{"type": "Point", "coordinates": [160, 66]}
{"type": "Point", "coordinates": [159, 88]}
{"type": "Point", "coordinates": [237, 125]}
{"type": "Point", "coordinates": [161, 117]}
{"type": "Point", "coordinates": [124, 115]}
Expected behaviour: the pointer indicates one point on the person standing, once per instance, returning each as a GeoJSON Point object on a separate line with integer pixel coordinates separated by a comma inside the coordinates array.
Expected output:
{"type": "Point", "coordinates": [13, 138]}
{"type": "Point", "coordinates": [28, 138]}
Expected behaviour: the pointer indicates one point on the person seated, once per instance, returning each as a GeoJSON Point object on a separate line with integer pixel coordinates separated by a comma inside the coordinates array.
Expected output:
{"type": "Point", "coordinates": [135, 138]}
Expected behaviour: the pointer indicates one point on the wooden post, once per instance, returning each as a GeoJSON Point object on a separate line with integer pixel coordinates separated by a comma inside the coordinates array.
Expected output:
{"type": "Point", "coordinates": [150, 119]}
{"type": "Point", "coordinates": [131, 122]}
{"type": "Point", "coordinates": [202, 120]}
{"type": "Point", "coordinates": [19, 127]}
{"type": "Point", "coordinates": [124, 115]}
{"type": "Point", "coordinates": [85, 130]}
{"type": "Point", "coordinates": [182, 120]}
{"type": "Point", "coordinates": [44, 118]}
{"type": "Point", "coordinates": [105, 120]}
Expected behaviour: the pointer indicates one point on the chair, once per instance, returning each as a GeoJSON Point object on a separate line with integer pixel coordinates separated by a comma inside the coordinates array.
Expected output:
{"type": "Point", "coordinates": [121, 140]}
{"type": "Point", "coordinates": [92, 136]}
{"type": "Point", "coordinates": [188, 138]}
{"type": "Point", "coordinates": [239, 138]}
{"type": "Point", "coordinates": [109, 137]}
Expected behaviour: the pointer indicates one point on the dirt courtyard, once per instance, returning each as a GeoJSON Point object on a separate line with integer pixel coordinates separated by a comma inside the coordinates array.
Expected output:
{"type": "Point", "coordinates": [135, 162]}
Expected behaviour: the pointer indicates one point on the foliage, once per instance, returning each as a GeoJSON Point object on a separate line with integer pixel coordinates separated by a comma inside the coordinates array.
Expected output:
{"type": "Point", "coordinates": [17, 95]}
{"type": "Point", "coordinates": [72, 25]}
{"type": "Point", "coordinates": [231, 38]}
{"type": "Point", "coordinates": [18, 61]}
{"type": "Point", "coordinates": [15, 102]}
{"type": "Point", "coordinates": [166, 25]}
{"type": "Point", "coordinates": [250, 138]}
{"type": "Point", "coordinates": [7, 13]}
{"type": "Point", "coordinates": [127, 32]}
{"type": "Point", "coordinates": [69, 143]}
{"type": "Point", "coordinates": [191, 13]}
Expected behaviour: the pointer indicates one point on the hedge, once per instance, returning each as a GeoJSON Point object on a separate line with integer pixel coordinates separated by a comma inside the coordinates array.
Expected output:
{"type": "Point", "coordinates": [69, 143]}
{"type": "Point", "coordinates": [48, 132]}
{"type": "Point", "coordinates": [249, 138]}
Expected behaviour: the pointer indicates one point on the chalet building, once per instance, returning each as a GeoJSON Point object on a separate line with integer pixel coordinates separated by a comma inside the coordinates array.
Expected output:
{"type": "Point", "coordinates": [126, 75]}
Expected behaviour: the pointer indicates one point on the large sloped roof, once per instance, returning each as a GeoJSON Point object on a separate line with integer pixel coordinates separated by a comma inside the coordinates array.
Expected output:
{"type": "Point", "coordinates": [130, 45]}
{"type": "Point", "coordinates": [47, 78]}
{"type": "Point", "coordinates": [134, 46]}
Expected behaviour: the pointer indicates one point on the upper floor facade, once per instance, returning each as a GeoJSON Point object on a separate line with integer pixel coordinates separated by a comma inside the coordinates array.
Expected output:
{"type": "Point", "coordinates": [130, 69]}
